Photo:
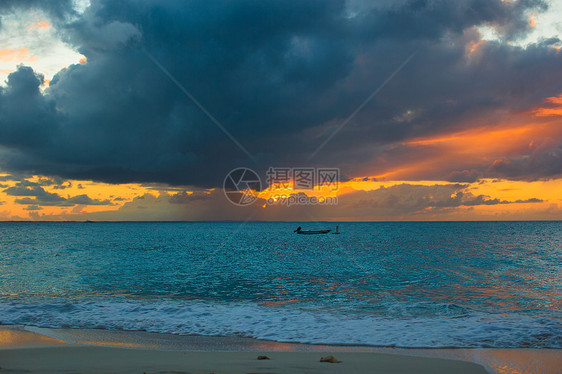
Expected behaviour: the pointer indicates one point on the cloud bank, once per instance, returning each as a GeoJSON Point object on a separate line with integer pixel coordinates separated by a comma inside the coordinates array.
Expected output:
{"type": "Point", "coordinates": [280, 77]}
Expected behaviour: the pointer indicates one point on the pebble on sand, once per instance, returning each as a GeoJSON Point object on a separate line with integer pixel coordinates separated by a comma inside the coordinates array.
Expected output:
{"type": "Point", "coordinates": [330, 359]}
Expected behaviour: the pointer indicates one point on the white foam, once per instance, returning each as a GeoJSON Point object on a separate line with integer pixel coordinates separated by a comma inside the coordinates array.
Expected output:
{"type": "Point", "coordinates": [290, 323]}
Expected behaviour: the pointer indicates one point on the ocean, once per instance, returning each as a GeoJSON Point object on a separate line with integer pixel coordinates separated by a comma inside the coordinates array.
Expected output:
{"type": "Point", "coordinates": [400, 284]}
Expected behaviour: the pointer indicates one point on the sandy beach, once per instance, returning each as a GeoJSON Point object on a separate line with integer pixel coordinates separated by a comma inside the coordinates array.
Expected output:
{"type": "Point", "coordinates": [42, 350]}
{"type": "Point", "coordinates": [120, 360]}
{"type": "Point", "coordinates": [30, 352]}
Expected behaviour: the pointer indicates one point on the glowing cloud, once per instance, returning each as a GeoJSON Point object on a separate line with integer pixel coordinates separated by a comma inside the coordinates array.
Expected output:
{"type": "Point", "coordinates": [41, 25]}
{"type": "Point", "coordinates": [13, 54]}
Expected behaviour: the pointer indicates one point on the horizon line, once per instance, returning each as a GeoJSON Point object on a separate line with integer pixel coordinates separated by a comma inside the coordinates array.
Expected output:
{"type": "Point", "coordinates": [267, 221]}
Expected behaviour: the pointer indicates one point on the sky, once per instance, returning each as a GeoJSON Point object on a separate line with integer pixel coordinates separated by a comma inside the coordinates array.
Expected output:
{"type": "Point", "coordinates": [139, 109]}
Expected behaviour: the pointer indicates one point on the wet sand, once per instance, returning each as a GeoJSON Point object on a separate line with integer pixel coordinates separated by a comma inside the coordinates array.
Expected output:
{"type": "Point", "coordinates": [37, 350]}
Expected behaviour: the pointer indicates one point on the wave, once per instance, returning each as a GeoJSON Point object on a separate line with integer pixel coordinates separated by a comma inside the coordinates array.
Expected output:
{"type": "Point", "coordinates": [448, 325]}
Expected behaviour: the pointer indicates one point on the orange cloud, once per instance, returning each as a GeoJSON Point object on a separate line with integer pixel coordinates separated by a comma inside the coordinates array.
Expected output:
{"type": "Point", "coordinates": [544, 112]}
{"type": "Point", "coordinates": [555, 109]}
{"type": "Point", "coordinates": [477, 147]}
{"type": "Point", "coordinates": [473, 46]}
{"type": "Point", "coordinates": [39, 25]}
{"type": "Point", "coordinates": [484, 140]}
{"type": "Point", "coordinates": [555, 100]}
{"type": "Point", "coordinates": [12, 54]}
{"type": "Point", "coordinates": [474, 145]}
{"type": "Point", "coordinates": [358, 200]}
{"type": "Point", "coordinates": [10, 209]}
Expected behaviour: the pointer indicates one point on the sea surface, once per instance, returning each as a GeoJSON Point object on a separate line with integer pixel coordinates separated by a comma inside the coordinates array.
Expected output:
{"type": "Point", "coordinates": [404, 284]}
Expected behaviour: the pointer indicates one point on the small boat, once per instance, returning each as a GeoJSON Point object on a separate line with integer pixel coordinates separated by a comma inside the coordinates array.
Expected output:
{"type": "Point", "coordinates": [337, 230]}
{"type": "Point", "coordinates": [299, 230]}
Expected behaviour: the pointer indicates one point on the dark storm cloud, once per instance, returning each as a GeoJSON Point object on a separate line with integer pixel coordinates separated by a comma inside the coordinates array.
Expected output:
{"type": "Point", "coordinates": [184, 198]}
{"type": "Point", "coordinates": [464, 176]}
{"type": "Point", "coordinates": [61, 201]}
{"type": "Point", "coordinates": [33, 194]}
{"type": "Point", "coordinates": [36, 191]}
{"type": "Point", "coordinates": [27, 118]}
{"type": "Point", "coordinates": [538, 165]}
{"type": "Point", "coordinates": [431, 19]}
{"type": "Point", "coordinates": [280, 76]}
{"type": "Point", "coordinates": [54, 182]}
{"type": "Point", "coordinates": [409, 198]}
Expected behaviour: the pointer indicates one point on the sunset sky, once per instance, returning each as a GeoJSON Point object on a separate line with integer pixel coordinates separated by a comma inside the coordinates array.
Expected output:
{"type": "Point", "coordinates": [137, 110]}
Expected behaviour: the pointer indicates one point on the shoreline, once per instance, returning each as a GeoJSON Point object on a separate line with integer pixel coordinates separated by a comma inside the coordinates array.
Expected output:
{"type": "Point", "coordinates": [79, 349]}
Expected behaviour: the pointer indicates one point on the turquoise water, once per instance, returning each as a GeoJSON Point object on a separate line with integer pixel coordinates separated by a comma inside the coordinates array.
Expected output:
{"type": "Point", "coordinates": [438, 284]}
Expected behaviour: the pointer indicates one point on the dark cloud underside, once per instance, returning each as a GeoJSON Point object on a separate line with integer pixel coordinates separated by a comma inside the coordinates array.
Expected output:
{"type": "Point", "coordinates": [280, 76]}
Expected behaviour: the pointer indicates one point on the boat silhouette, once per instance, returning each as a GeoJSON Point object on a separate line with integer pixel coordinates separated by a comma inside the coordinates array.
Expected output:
{"type": "Point", "coordinates": [299, 230]}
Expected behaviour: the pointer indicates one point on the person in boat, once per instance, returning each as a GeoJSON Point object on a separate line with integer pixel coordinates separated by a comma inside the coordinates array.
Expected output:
{"type": "Point", "coordinates": [298, 229]}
